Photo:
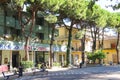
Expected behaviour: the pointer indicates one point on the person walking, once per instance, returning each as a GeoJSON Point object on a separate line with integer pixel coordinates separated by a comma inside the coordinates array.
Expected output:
{"type": "Point", "coordinates": [80, 64]}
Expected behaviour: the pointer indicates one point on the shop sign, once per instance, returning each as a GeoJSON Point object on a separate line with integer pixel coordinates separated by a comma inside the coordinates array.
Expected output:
{"type": "Point", "coordinates": [28, 47]}
{"type": "Point", "coordinates": [56, 48]}
{"type": "Point", "coordinates": [63, 48]}
{"type": "Point", "coordinates": [43, 49]}
{"type": "Point", "coordinates": [7, 45]}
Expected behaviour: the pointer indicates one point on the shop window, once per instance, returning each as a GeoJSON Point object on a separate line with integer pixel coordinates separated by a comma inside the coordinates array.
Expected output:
{"type": "Point", "coordinates": [14, 31]}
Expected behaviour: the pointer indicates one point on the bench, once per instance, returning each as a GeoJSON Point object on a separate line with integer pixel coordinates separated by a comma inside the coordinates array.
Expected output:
{"type": "Point", "coordinates": [6, 77]}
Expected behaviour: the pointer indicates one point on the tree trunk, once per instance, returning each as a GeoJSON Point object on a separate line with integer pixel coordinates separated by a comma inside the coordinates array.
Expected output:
{"type": "Point", "coordinates": [51, 46]}
{"type": "Point", "coordinates": [27, 49]}
{"type": "Point", "coordinates": [27, 37]}
{"type": "Point", "coordinates": [94, 34]}
{"type": "Point", "coordinates": [102, 38]}
{"type": "Point", "coordinates": [83, 49]}
{"type": "Point", "coordinates": [117, 48]}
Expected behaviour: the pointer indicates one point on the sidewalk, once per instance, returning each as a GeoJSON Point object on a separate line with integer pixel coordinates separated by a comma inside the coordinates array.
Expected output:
{"type": "Point", "coordinates": [59, 68]}
{"type": "Point", "coordinates": [53, 69]}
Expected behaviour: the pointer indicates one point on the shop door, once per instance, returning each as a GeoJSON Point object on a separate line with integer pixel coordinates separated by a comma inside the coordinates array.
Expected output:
{"type": "Point", "coordinates": [39, 57]}
{"type": "Point", "coordinates": [62, 59]}
{"type": "Point", "coordinates": [15, 59]}
{"type": "Point", "coordinates": [114, 58]}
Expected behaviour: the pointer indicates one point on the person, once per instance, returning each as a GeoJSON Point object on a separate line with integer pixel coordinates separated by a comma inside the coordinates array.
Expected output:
{"type": "Point", "coordinates": [80, 64]}
{"type": "Point", "coordinates": [8, 66]}
{"type": "Point", "coordinates": [42, 67]}
{"type": "Point", "coordinates": [20, 70]}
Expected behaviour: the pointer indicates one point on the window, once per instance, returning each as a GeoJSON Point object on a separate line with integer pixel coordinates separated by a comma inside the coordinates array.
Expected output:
{"type": "Point", "coordinates": [113, 45]}
{"type": "Point", "coordinates": [40, 21]}
{"type": "Point", "coordinates": [40, 35]}
{"type": "Point", "coordinates": [15, 31]}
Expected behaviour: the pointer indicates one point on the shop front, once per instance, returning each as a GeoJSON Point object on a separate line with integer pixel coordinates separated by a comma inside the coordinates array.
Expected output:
{"type": "Point", "coordinates": [13, 53]}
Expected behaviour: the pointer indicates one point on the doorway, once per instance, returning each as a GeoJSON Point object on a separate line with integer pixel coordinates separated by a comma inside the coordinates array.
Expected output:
{"type": "Point", "coordinates": [15, 59]}
{"type": "Point", "coordinates": [62, 59]}
{"type": "Point", "coordinates": [39, 57]}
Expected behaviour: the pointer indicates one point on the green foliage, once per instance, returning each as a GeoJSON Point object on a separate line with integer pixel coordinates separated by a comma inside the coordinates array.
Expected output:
{"type": "Point", "coordinates": [112, 20]}
{"type": "Point", "coordinates": [99, 54]}
{"type": "Point", "coordinates": [20, 2]}
{"type": "Point", "coordinates": [51, 5]}
{"type": "Point", "coordinates": [98, 15]}
{"type": "Point", "coordinates": [56, 64]}
{"type": "Point", "coordinates": [39, 66]}
{"type": "Point", "coordinates": [91, 56]}
{"type": "Point", "coordinates": [75, 9]}
{"type": "Point", "coordinates": [80, 34]}
{"type": "Point", "coordinates": [51, 18]}
{"type": "Point", "coordinates": [27, 64]}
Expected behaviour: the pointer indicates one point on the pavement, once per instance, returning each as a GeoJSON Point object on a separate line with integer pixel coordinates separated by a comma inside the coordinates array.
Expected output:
{"type": "Point", "coordinates": [106, 71]}
{"type": "Point", "coordinates": [29, 73]}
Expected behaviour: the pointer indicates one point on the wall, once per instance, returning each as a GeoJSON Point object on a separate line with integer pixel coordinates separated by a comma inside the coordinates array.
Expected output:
{"type": "Point", "coordinates": [6, 55]}
{"type": "Point", "coordinates": [109, 55]}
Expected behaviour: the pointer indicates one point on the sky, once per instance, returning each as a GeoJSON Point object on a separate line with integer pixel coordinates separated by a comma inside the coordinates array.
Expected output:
{"type": "Point", "coordinates": [105, 3]}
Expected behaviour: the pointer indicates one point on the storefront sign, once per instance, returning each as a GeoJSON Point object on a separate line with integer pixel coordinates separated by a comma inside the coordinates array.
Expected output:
{"type": "Point", "coordinates": [63, 48]}
{"type": "Point", "coordinates": [9, 45]}
{"type": "Point", "coordinates": [42, 49]}
{"type": "Point", "coordinates": [56, 48]}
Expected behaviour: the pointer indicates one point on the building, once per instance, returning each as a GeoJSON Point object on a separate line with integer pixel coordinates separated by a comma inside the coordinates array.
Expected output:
{"type": "Point", "coordinates": [109, 47]}
{"type": "Point", "coordinates": [62, 40]}
{"type": "Point", "coordinates": [12, 47]}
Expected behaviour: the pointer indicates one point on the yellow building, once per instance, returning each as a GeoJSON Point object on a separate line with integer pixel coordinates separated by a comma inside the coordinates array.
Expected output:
{"type": "Point", "coordinates": [62, 40]}
{"type": "Point", "coordinates": [109, 46]}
